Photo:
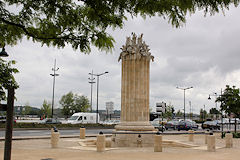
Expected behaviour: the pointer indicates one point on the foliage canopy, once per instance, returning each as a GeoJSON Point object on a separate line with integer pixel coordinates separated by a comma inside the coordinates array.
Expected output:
{"type": "Point", "coordinates": [72, 103]}
{"type": "Point", "coordinates": [84, 22]}
{"type": "Point", "coordinates": [7, 79]}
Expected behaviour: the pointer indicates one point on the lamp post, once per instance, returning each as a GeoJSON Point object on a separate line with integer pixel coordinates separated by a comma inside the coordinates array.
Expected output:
{"type": "Point", "coordinates": [184, 89]}
{"type": "Point", "coordinates": [54, 75]}
{"type": "Point", "coordinates": [3, 53]}
{"type": "Point", "coordinates": [9, 118]}
{"type": "Point", "coordinates": [91, 82]}
{"type": "Point", "coordinates": [209, 98]}
{"type": "Point", "coordinates": [98, 75]}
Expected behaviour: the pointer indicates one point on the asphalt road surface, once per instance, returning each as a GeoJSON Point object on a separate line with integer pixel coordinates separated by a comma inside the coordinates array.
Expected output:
{"type": "Point", "coordinates": [23, 133]}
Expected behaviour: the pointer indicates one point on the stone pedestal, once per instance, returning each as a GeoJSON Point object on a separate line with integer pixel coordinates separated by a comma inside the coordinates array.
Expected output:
{"type": "Point", "coordinates": [211, 146]}
{"type": "Point", "coordinates": [157, 143]}
{"type": "Point", "coordinates": [100, 143]}
{"type": "Point", "coordinates": [229, 140]}
{"type": "Point", "coordinates": [135, 58]}
{"type": "Point", "coordinates": [206, 134]}
{"type": "Point", "coordinates": [82, 133]}
{"type": "Point", "coordinates": [190, 135]}
{"type": "Point", "coordinates": [54, 139]}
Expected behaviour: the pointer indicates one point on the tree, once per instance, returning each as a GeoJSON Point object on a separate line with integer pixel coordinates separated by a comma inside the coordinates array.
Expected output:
{"type": "Point", "coordinates": [27, 109]}
{"type": "Point", "coordinates": [203, 114]}
{"type": "Point", "coordinates": [72, 103]}
{"type": "Point", "coordinates": [230, 102]}
{"type": "Point", "coordinates": [84, 22]}
{"type": "Point", "coordinates": [46, 108]}
{"type": "Point", "coordinates": [168, 113]}
{"type": "Point", "coordinates": [179, 114]}
{"type": "Point", "coordinates": [7, 79]}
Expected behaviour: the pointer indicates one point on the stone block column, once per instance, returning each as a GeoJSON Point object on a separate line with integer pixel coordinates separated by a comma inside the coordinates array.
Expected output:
{"type": "Point", "coordinates": [82, 133]}
{"type": "Point", "coordinates": [135, 58]}
{"type": "Point", "coordinates": [229, 140]}
{"type": "Point", "coordinates": [54, 139]}
{"type": "Point", "coordinates": [100, 143]}
{"type": "Point", "coordinates": [190, 135]}
{"type": "Point", "coordinates": [211, 146]}
{"type": "Point", "coordinates": [157, 143]}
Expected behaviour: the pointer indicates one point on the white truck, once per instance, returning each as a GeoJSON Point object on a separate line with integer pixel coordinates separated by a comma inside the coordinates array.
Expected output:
{"type": "Point", "coordinates": [83, 117]}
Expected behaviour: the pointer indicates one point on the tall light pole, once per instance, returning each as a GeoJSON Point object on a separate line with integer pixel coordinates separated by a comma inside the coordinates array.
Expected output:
{"type": "Point", "coordinates": [54, 69]}
{"type": "Point", "coordinates": [184, 89]}
{"type": "Point", "coordinates": [209, 98]}
{"type": "Point", "coordinates": [91, 82]}
{"type": "Point", "coordinates": [98, 75]}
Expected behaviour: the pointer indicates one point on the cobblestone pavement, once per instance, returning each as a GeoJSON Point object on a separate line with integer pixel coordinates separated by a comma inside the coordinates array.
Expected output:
{"type": "Point", "coordinates": [70, 149]}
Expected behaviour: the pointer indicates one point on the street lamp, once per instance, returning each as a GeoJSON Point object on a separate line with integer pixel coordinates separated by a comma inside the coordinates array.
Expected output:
{"type": "Point", "coordinates": [9, 118]}
{"type": "Point", "coordinates": [91, 82]}
{"type": "Point", "coordinates": [54, 75]}
{"type": "Point", "coordinates": [98, 75]}
{"type": "Point", "coordinates": [184, 89]}
{"type": "Point", "coordinates": [3, 53]}
{"type": "Point", "coordinates": [209, 98]}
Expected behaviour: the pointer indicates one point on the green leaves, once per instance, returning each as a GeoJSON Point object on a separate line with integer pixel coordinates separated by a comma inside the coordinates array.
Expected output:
{"type": "Point", "coordinates": [230, 100]}
{"type": "Point", "coordinates": [83, 23]}
{"type": "Point", "coordinates": [72, 103]}
{"type": "Point", "coordinates": [7, 79]}
{"type": "Point", "coordinates": [46, 108]}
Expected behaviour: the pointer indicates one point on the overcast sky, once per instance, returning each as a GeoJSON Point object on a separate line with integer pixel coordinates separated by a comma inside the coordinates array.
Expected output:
{"type": "Point", "coordinates": [204, 53]}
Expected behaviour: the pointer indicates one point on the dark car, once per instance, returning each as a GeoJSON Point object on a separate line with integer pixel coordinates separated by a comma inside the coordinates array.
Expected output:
{"type": "Point", "coordinates": [211, 125]}
{"type": "Point", "coordinates": [186, 125]}
{"type": "Point", "coordinates": [2, 119]}
{"type": "Point", "coordinates": [50, 121]}
{"type": "Point", "coordinates": [171, 125]}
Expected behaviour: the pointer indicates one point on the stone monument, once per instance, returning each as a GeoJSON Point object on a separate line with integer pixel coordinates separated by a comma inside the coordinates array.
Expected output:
{"type": "Point", "coordinates": [135, 58]}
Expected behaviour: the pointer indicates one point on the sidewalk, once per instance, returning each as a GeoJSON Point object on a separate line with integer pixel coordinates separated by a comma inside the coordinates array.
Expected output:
{"type": "Point", "coordinates": [40, 149]}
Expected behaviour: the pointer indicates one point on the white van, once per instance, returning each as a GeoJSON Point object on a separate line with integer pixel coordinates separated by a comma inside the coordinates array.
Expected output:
{"type": "Point", "coordinates": [83, 117]}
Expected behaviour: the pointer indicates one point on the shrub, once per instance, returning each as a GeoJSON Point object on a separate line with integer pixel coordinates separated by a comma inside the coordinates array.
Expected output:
{"type": "Point", "coordinates": [236, 135]}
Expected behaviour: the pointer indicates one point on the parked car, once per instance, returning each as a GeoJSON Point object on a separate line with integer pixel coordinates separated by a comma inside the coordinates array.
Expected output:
{"type": "Point", "coordinates": [210, 125]}
{"type": "Point", "coordinates": [171, 125]}
{"type": "Point", "coordinates": [186, 125]}
{"type": "Point", "coordinates": [51, 121]}
{"type": "Point", "coordinates": [2, 119]}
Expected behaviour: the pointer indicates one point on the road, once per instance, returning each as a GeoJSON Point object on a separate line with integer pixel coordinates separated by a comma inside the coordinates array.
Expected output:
{"type": "Point", "coordinates": [27, 132]}
{"type": "Point", "coordinates": [23, 133]}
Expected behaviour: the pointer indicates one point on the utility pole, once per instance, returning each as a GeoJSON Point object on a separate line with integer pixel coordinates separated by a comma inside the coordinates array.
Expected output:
{"type": "Point", "coordinates": [54, 69]}
{"type": "Point", "coordinates": [184, 89]}
{"type": "Point", "coordinates": [91, 82]}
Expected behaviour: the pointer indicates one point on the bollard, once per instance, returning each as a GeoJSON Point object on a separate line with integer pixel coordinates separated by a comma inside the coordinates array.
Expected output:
{"type": "Point", "coordinates": [54, 139]}
{"type": "Point", "coordinates": [52, 130]}
{"type": "Point", "coordinates": [211, 147]}
{"type": "Point", "coordinates": [101, 142]}
{"type": "Point", "coordinates": [229, 140]}
{"type": "Point", "coordinates": [206, 134]}
{"type": "Point", "coordinates": [82, 133]}
{"type": "Point", "coordinates": [158, 143]}
{"type": "Point", "coordinates": [139, 141]}
{"type": "Point", "coordinates": [190, 136]}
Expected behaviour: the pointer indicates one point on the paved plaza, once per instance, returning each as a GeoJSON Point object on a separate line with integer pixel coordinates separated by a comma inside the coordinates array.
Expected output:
{"type": "Point", "coordinates": [74, 149]}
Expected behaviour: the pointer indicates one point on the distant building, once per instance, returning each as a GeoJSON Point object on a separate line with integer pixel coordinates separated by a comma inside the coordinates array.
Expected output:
{"type": "Point", "coordinates": [109, 107]}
